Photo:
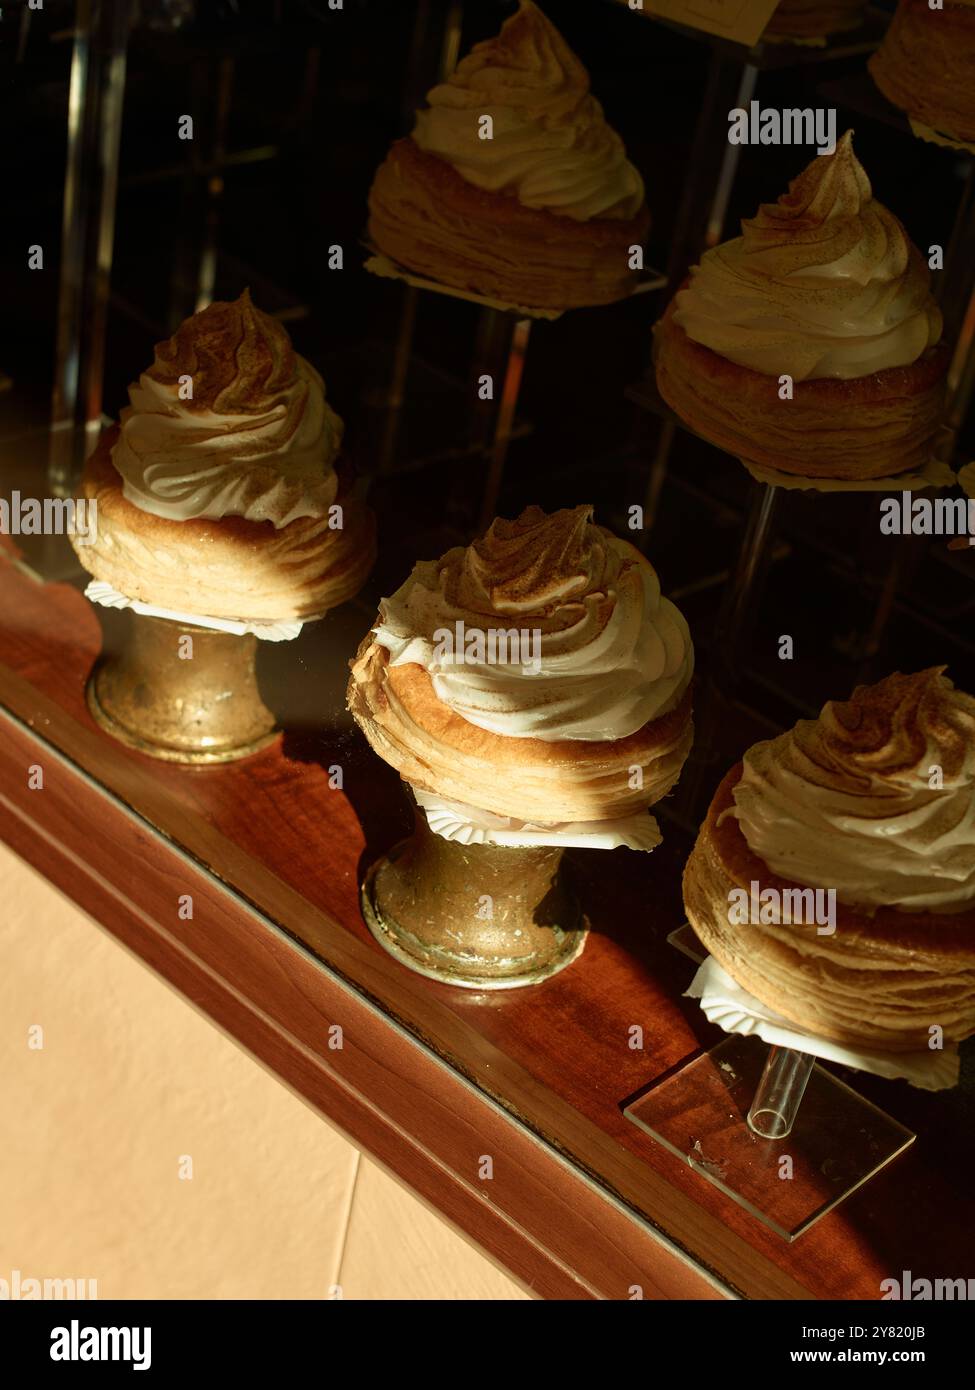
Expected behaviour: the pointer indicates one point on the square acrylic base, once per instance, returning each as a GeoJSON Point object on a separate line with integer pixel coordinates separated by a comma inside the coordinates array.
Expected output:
{"type": "Point", "coordinates": [684, 939]}
{"type": "Point", "coordinates": [839, 1140]}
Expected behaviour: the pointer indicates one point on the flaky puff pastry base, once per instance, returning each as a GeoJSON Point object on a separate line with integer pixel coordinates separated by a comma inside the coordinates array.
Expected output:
{"type": "Point", "coordinates": [879, 981]}
{"type": "Point", "coordinates": [926, 66]}
{"type": "Point", "coordinates": [427, 218]}
{"type": "Point", "coordinates": [868, 427]}
{"type": "Point", "coordinates": [226, 568]}
{"type": "Point", "coordinates": [529, 779]}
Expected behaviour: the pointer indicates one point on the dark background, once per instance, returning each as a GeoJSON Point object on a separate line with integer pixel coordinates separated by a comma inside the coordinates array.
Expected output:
{"type": "Point", "coordinates": [323, 93]}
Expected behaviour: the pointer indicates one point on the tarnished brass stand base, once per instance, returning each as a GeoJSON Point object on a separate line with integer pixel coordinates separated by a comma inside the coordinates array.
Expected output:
{"type": "Point", "coordinates": [199, 709]}
{"type": "Point", "coordinates": [479, 916]}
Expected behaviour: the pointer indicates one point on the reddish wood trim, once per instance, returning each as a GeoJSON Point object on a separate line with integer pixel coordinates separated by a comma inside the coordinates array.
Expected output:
{"type": "Point", "coordinates": [556, 1057]}
{"type": "Point", "coordinates": [539, 1217]}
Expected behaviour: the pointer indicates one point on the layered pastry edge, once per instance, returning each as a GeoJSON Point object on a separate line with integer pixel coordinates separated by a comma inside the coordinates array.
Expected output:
{"type": "Point", "coordinates": [428, 219]}
{"type": "Point", "coordinates": [926, 66]}
{"type": "Point", "coordinates": [911, 970]}
{"type": "Point", "coordinates": [226, 567]}
{"type": "Point", "coordinates": [851, 429]}
{"type": "Point", "coordinates": [538, 780]}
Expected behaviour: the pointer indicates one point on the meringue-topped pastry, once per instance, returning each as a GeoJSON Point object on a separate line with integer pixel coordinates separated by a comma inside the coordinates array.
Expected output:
{"type": "Point", "coordinates": [256, 438]}
{"type": "Point", "coordinates": [873, 802]}
{"type": "Point", "coordinates": [611, 654]}
{"type": "Point", "coordinates": [825, 288]}
{"type": "Point", "coordinates": [823, 283]}
{"type": "Point", "coordinates": [846, 800]}
{"type": "Point", "coordinates": [218, 494]}
{"type": "Point", "coordinates": [926, 66]}
{"type": "Point", "coordinates": [512, 184]}
{"type": "Point", "coordinates": [551, 147]}
{"type": "Point", "coordinates": [529, 673]}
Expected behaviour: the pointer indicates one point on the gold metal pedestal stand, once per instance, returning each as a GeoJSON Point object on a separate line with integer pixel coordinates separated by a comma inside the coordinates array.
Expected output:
{"type": "Point", "coordinates": [181, 693]}
{"type": "Point", "coordinates": [478, 916]}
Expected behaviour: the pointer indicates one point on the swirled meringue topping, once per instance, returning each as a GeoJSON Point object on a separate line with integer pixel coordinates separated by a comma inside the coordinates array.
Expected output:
{"type": "Point", "coordinates": [823, 283]}
{"type": "Point", "coordinates": [875, 798]}
{"type": "Point", "coordinates": [257, 438]}
{"type": "Point", "coordinates": [551, 145]}
{"type": "Point", "coordinates": [605, 652]}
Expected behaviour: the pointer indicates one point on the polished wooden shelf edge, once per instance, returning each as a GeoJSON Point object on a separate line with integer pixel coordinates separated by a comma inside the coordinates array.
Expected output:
{"type": "Point", "coordinates": [549, 1069]}
{"type": "Point", "coordinates": [540, 1216]}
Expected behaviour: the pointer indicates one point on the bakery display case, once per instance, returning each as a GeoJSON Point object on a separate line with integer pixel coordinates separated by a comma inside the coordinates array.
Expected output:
{"type": "Point", "coordinates": [485, 518]}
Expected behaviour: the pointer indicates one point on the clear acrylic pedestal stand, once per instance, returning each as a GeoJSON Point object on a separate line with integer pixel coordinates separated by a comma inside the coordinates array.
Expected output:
{"type": "Point", "coordinates": [733, 1114]}
{"type": "Point", "coordinates": [775, 1131]}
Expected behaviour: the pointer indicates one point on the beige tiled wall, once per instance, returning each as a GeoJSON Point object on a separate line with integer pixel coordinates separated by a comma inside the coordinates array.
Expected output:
{"type": "Point", "coordinates": [131, 1091]}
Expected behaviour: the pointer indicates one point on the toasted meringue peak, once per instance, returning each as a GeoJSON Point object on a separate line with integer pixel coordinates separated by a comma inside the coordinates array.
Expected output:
{"type": "Point", "coordinates": [528, 64]}
{"type": "Point", "coordinates": [823, 283]}
{"type": "Point", "coordinates": [607, 652]}
{"type": "Point", "coordinates": [522, 566]}
{"type": "Point", "coordinates": [551, 147]}
{"type": "Point", "coordinates": [878, 741]}
{"type": "Point", "coordinates": [256, 438]}
{"type": "Point", "coordinates": [832, 185]}
{"type": "Point", "coordinates": [238, 357]}
{"type": "Point", "coordinates": [875, 798]}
